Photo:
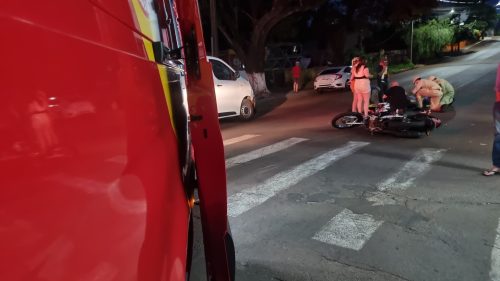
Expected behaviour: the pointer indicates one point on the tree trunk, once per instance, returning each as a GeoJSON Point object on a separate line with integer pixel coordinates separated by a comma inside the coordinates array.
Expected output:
{"type": "Point", "coordinates": [258, 82]}
{"type": "Point", "coordinates": [255, 64]}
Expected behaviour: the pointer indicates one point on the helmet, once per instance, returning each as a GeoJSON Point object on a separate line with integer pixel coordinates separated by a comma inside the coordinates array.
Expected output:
{"type": "Point", "coordinates": [432, 78]}
{"type": "Point", "coordinates": [416, 78]}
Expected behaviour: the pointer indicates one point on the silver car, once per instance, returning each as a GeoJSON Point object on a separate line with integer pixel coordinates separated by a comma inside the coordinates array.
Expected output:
{"type": "Point", "coordinates": [333, 78]}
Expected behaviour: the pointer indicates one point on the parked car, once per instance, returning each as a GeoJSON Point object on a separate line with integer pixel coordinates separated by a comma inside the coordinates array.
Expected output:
{"type": "Point", "coordinates": [333, 78]}
{"type": "Point", "coordinates": [234, 94]}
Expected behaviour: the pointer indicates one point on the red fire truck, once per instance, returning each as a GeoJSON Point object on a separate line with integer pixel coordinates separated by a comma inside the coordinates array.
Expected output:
{"type": "Point", "coordinates": [108, 128]}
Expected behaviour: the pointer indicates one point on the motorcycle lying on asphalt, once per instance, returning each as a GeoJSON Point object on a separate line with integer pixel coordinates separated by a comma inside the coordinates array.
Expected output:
{"type": "Point", "coordinates": [410, 124]}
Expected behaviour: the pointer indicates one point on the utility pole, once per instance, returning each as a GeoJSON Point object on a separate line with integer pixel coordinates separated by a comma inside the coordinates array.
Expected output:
{"type": "Point", "coordinates": [214, 39]}
{"type": "Point", "coordinates": [411, 43]}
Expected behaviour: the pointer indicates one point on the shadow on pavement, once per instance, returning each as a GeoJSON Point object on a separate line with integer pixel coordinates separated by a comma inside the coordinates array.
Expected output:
{"type": "Point", "coordinates": [263, 106]}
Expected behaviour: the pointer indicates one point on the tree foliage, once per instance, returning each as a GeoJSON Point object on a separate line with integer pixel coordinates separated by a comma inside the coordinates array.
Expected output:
{"type": "Point", "coordinates": [430, 38]}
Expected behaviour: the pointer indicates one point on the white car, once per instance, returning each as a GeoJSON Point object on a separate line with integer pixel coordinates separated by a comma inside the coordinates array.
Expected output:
{"type": "Point", "coordinates": [234, 94]}
{"type": "Point", "coordinates": [333, 78]}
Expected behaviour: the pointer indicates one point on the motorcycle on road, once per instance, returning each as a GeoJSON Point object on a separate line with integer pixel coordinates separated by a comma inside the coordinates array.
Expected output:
{"type": "Point", "coordinates": [381, 119]}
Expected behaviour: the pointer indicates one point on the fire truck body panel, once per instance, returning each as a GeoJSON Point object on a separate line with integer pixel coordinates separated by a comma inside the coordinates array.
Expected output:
{"type": "Point", "coordinates": [90, 182]}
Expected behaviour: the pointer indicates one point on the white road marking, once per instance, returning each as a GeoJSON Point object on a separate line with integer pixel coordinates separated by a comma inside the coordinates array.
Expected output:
{"type": "Point", "coordinates": [252, 197]}
{"type": "Point", "coordinates": [381, 198]}
{"type": "Point", "coordinates": [239, 139]}
{"type": "Point", "coordinates": [420, 164]}
{"type": "Point", "coordinates": [252, 155]}
{"type": "Point", "coordinates": [495, 257]}
{"type": "Point", "coordinates": [348, 230]}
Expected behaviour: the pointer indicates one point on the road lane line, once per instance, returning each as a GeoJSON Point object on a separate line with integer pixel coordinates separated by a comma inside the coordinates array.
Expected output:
{"type": "Point", "coordinates": [239, 139]}
{"type": "Point", "coordinates": [495, 257]}
{"type": "Point", "coordinates": [243, 201]}
{"type": "Point", "coordinates": [420, 164]}
{"type": "Point", "coordinates": [348, 230]}
{"type": "Point", "coordinates": [258, 153]}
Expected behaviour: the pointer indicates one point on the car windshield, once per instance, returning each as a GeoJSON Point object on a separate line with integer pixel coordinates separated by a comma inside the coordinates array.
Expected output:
{"type": "Point", "coordinates": [329, 71]}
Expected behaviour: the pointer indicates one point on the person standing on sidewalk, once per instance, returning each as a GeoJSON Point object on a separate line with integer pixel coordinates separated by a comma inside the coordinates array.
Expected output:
{"type": "Point", "coordinates": [296, 76]}
{"type": "Point", "coordinates": [495, 154]}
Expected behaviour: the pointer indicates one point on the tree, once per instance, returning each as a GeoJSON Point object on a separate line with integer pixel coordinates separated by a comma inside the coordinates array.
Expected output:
{"type": "Point", "coordinates": [246, 25]}
{"type": "Point", "coordinates": [430, 38]}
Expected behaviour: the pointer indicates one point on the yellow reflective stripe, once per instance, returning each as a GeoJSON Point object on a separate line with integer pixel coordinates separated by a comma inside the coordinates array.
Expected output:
{"type": "Point", "coordinates": [148, 45]}
{"type": "Point", "coordinates": [144, 23]}
{"type": "Point", "coordinates": [145, 28]}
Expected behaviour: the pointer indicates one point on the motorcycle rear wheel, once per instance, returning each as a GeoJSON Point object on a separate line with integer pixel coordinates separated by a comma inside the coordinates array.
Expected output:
{"type": "Point", "coordinates": [345, 120]}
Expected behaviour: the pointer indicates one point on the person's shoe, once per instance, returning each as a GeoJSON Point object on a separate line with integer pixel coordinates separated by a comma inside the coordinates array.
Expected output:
{"type": "Point", "coordinates": [491, 172]}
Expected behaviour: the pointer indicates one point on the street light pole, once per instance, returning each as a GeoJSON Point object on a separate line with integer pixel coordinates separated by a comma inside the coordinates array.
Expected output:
{"type": "Point", "coordinates": [214, 40]}
{"type": "Point", "coordinates": [411, 43]}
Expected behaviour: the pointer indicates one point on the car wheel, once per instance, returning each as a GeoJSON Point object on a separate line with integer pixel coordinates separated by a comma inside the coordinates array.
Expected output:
{"type": "Point", "coordinates": [247, 110]}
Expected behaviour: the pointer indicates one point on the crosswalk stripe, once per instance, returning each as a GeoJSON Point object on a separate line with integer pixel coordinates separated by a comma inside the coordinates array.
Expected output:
{"type": "Point", "coordinates": [258, 153]}
{"type": "Point", "coordinates": [348, 230]}
{"type": "Point", "coordinates": [239, 139]}
{"type": "Point", "coordinates": [420, 164]}
{"type": "Point", "coordinates": [495, 257]}
{"type": "Point", "coordinates": [243, 201]}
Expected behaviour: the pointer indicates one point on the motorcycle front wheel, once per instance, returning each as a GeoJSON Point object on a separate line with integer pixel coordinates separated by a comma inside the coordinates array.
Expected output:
{"type": "Point", "coordinates": [347, 120]}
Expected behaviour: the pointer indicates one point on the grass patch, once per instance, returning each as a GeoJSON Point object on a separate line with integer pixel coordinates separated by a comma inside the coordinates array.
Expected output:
{"type": "Point", "coordinates": [400, 67]}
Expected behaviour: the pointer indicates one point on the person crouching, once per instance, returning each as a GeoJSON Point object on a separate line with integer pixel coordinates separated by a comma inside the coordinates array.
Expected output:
{"type": "Point", "coordinates": [427, 88]}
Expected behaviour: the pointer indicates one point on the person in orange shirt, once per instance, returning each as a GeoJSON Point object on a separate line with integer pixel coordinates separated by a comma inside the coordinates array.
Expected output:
{"type": "Point", "coordinates": [296, 76]}
{"type": "Point", "coordinates": [495, 154]}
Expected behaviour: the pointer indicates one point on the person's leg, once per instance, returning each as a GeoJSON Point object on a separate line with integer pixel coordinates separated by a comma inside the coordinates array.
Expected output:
{"type": "Point", "coordinates": [435, 96]}
{"type": "Point", "coordinates": [495, 155]}
{"type": "Point", "coordinates": [366, 103]}
{"type": "Point", "coordinates": [420, 100]}
{"type": "Point", "coordinates": [359, 103]}
{"type": "Point", "coordinates": [354, 102]}
{"type": "Point", "coordinates": [383, 88]}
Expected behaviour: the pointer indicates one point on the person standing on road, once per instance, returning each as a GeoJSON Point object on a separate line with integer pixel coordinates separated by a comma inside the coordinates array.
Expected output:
{"type": "Point", "coordinates": [427, 88]}
{"type": "Point", "coordinates": [495, 154]}
{"type": "Point", "coordinates": [360, 86]}
{"type": "Point", "coordinates": [448, 92]}
{"type": "Point", "coordinates": [383, 77]}
{"type": "Point", "coordinates": [296, 76]}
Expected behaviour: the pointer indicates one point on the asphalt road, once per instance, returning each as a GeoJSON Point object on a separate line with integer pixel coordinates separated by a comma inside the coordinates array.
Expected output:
{"type": "Point", "coordinates": [309, 202]}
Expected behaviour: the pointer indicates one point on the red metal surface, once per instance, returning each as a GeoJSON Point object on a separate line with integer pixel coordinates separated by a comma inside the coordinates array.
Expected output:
{"type": "Point", "coordinates": [90, 186]}
{"type": "Point", "coordinates": [208, 148]}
